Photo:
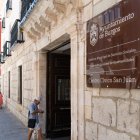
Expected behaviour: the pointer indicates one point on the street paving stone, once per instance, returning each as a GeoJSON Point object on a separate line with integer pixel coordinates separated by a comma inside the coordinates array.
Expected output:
{"type": "Point", "coordinates": [10, 127]}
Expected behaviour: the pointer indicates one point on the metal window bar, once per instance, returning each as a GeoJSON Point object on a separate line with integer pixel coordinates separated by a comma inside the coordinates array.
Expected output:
{"type": "Point", "coordinates": [25, 7]}
{"type": "Point", "coordinates": [9, 5]}
{"type": "Point", "coordinates": [117, 12]}
{"type": "Point", "coordinates": [16, 33]}
{"type": "Point", "coordinates": [3, 22]}
{"type": "Point", "coordinates": [6, 48]}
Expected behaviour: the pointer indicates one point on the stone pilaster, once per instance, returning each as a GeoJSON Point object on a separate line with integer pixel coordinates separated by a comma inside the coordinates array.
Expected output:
{"type": "Point", "coordinates": [77, 83]}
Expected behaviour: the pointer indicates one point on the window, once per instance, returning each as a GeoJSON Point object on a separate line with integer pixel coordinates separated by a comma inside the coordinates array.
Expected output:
{"type": "Point", "coordinates": [111, 14]}
{"type": "Point", "coordinates": [106, 17]}
{"type": "Point", "coordinates": [16, 33]}
{"type": "Point", "coordinates": [2, 58]}
{"type": "Point", "coordinates": [3, 22]}
{"type": "Point", "coordinates": [63, 89]}
{"type": "Point", "coordinates": [9, 5]}
{"type": "Point", "coordinates": [20, 84]}
{"type": "Point", "coordinates": [6, 49]}
{"type": "Point", "coordinates": [25, 7]}
{"type": "Point", "coordinates": [117, 12]}
{"type": "Point", "coordinates": [9, 82]}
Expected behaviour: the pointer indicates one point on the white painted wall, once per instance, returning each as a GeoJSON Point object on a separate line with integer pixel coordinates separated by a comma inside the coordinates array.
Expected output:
{"type": "Point", "coordinates": [10, 17]}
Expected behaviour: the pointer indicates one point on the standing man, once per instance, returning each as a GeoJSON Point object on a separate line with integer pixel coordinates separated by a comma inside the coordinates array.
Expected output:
{"type": "Point", "coordinates": [33, 118]}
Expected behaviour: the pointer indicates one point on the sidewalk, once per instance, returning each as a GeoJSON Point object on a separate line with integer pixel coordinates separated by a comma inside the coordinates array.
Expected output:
{"type": "Point", "coordinates": [10, 127]}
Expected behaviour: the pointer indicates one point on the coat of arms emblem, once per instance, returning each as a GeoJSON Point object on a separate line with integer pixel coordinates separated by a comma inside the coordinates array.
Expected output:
{"type": "Point", "coordinates": [94, 34]}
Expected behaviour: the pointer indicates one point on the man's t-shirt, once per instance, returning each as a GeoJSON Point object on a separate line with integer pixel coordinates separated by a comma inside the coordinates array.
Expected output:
{"type": "Point", "coordinates": [33, 107]}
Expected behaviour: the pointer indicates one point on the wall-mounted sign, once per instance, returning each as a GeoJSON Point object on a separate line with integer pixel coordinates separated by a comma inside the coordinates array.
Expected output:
{"type": "Point", "coordinates": [113, 47]}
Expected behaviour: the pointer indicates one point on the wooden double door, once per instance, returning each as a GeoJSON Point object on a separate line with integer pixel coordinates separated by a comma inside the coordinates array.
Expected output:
{"type": "Point", "coordinates": [58, 96]}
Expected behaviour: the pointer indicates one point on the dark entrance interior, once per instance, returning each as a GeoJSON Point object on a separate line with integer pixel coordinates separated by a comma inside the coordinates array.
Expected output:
{"type": "Point", "coordinates": [58, 93]}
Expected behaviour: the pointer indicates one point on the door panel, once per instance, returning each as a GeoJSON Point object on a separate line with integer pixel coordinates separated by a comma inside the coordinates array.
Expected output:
{"type": "Point", "coordinates": [58, 106]}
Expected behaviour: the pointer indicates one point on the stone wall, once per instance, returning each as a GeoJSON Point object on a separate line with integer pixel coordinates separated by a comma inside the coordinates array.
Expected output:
{"type": "Point", "coordinates": [96, 114]}
{"type": "Point", "coordinates": [112, 114]}
{"type": "Point", "coordinates": [33, 75]}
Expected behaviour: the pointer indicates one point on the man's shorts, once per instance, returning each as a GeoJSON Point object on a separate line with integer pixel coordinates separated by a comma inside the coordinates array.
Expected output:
{"type": "Point", "coordinates": [37, 127]}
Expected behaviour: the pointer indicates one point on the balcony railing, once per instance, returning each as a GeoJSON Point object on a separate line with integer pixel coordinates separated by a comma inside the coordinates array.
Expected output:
{"type": "Point", "coordinates": [27, 6]}
{"type": "Point", "coordinates": [16, 33]}
{"type": "Point", "coordinates": [6, 49]}
{"type": "Point", "coordinates": [9, 5]}
{"type": "Point", "coordinates": [2, 58]}
{"type": "Point", "coordinates": [3, 22]}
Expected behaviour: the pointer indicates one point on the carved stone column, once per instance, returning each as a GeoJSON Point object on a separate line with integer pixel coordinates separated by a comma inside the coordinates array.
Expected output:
{"type": "Point", "coordinates": [81, 80]}
{"type": "Point", "coordinates": [39, 74]}
{"type": "Point", "coordinates": [42, 87]}
{"type": "Point", "coordinates": [77, 82]}
{"type": "Point", "coordinates": [74, 82]}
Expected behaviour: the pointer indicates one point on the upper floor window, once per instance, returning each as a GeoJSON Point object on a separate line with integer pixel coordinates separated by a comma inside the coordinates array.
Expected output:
{"type": "Point", "coordinates": [25, 7]}
{"type": "Point", "coordinates": [16, 33]}
{"type": "Point", "coordinates": [106, 18]}
{"type": "Point", "coordinates": [111, 14]}
{"type": "Point", "coordinates": [117, 12]}
{"type": "Point", "coordinates": [9, 5]}
{"type": "Point", "coordinates": [3, 22]}
{"type": "Point", "coordinates": [6, 49]}
{"type": "Point", "coordinates": [2, 58]}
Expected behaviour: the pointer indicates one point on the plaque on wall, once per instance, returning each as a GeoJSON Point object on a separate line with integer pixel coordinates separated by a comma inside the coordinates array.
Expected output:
{"type": "Point", "coordinates": [113, 47]}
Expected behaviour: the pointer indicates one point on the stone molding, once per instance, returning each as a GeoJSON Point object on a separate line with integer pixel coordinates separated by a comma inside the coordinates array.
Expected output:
{"type": "Point", "coordinates": [47, 14]}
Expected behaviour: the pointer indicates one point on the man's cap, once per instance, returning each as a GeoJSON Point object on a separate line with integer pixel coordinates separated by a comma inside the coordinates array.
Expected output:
{"type": "Point", "coordinates": [37, 98]}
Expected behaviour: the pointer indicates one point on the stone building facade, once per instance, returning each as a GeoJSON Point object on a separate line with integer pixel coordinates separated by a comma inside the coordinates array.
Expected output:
{"type": "Point", "coordinates": [96, 113]}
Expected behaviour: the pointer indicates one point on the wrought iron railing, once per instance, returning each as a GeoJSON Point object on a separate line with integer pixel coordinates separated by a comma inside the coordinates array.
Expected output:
{"type": "Point", "coordinates": [9, 5]}
{"type": "Point", "coordinates": [16, 33]}
{"type": "Point", "coordinates": [27, 6]}
{"type": "Point", "coordinates": [6, 49]}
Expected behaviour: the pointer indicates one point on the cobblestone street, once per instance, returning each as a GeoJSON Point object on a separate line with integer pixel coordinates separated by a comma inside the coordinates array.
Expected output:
{"type": "Point", "coordinates": [10, 127]}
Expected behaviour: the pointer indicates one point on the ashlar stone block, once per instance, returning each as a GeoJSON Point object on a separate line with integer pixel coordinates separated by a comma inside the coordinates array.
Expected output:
{"type": "Point", "coordinates": [135, 94]}
{"type": "Point", "coordinates": [104, 111]}
{"type": "Point", "coordinates": [106, 134]}
{"type": "Point", "coordinates": [128, 116]}
{"type": "Point", "coordinates": [91, 131]}
{"type": "Point", "coordinates": [117, 93]}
